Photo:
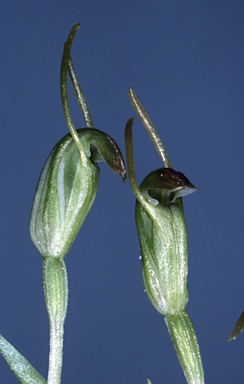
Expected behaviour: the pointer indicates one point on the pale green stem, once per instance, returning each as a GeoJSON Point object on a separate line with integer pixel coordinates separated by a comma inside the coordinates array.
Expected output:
{"type": "Point", "coordinates": [80, 95]}
{"type": "Point", "coordinates": [186, 345]}
{"type": "Point", "coordinates": [150, 128]}
{"type": "Point", "coordinates": [55, 284]}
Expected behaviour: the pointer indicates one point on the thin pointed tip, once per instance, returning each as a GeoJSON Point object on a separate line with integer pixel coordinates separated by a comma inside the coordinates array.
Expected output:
{"type": "Point", "coordinates": [73, 32]}
{"type": "Point", "coordinates": [131, 120]}
{"type": "Point", "coordinates": [123, 172]}
{"type": "Point", "coordinates": [76, 26]}
{"type": "Point", "coordinates": [130, 91]}
{"type": "Point", "coordinates": [129, 125]}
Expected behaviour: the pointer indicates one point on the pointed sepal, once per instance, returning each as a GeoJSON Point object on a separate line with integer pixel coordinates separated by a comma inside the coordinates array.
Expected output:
{"type": "Point", "coordinates": [239, 327]}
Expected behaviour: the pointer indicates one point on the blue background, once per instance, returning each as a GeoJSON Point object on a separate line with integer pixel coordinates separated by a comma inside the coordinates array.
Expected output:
{"type": "Point", "coordinates": [185, 60]}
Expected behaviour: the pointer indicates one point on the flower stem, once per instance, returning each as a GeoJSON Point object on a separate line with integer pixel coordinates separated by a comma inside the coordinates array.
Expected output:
{"type": "Point", "coordinates": [55, 284]}
{"type": "Point", "coordinates": [186, 345]}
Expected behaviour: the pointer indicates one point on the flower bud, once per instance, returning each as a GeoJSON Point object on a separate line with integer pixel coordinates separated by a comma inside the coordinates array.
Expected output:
{"type": "Point", "coordinates": [67, 188]}
{"type": "Point", "coordinates": [163, 239]}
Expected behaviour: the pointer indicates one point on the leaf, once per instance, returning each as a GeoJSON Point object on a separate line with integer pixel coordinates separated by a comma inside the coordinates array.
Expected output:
{"type": "Point", "coordinates": [23, 370]}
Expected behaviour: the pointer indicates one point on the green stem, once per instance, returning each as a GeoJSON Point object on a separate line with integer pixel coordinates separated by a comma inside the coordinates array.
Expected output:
{"type": "Point", "coordinates": [186, 345]}
{"type": "Point", "coordinates": [150, 128]}
{"type": "Point", "coordinates": [80, 95]}
{"type": "Point", "coordinates": [55, 284]}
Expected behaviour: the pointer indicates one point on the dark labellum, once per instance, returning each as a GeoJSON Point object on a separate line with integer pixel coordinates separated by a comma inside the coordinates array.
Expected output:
{"type": "Point", "coordinates": [165, 185]}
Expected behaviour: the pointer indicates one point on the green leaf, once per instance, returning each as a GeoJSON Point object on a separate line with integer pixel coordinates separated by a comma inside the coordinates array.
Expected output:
{"type": "Point", "coordinates": [22, 369]}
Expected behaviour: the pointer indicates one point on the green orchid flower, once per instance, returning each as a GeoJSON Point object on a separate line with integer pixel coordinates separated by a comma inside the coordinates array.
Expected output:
{"type": "Point", "coordinates": [68, 182]}
{"type": "Point", "coordinates": [162, 235]}
{"type": "Point", "coordinates": [67, 189]}
{"type": "Point", "coordinates": [64, 196]}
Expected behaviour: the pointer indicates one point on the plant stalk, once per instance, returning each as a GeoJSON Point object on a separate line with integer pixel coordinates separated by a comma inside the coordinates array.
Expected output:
{"type": "Point", "coordinates": [55, 283]}
{"type": "Point", "coordinates": [186, 345]}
